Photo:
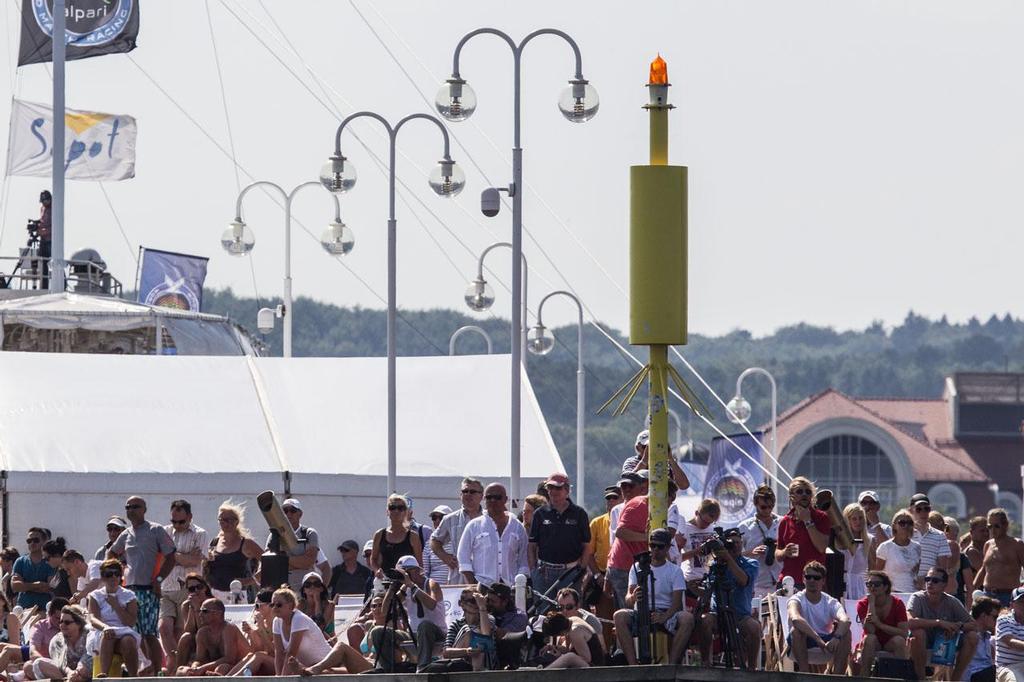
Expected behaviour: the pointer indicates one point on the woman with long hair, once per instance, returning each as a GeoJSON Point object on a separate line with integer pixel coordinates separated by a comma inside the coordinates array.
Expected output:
{"type": "Point", "coordinates": [964, 575]}
{"type": "Point", "coordinates": [259, 633]}
{"type": "Point", "coordinates": [298, 642]}
{"type": "Point", "coordinates": [856, 561]}
{"type": "Point", "coordinates": [395, 540]}
{"type": "Point", "coordinates": [230, 552]}
{"type": "Point", "coordinates": [60, 584]}
{"type": "Point", "coordinates": [66, 650]}
{"type": "Point", "coordinates": [900, 556]}
{"type": "Point", "coordinates": [315, 603]}
{"type": "Point", "coordinates": [885, 621]}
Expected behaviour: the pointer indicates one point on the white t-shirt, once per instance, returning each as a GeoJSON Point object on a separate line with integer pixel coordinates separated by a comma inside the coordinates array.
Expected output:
{"type": "Point", "coordinates": [667, 579]}
{"type": "Point", "coordinates": [695, 567]}
{"type": "Point", "coordinates": [613, 521]}
{"type": "Point", "coordinates": [754, 533]}
{"type": "Point", "coordinates": [313, 648]}
{"type": "Point", "coordinates": [821, 616]}
{"type": "Point", "coordinates": [899, 563]}
{"type": "Point", "coordinates": [933, 545]}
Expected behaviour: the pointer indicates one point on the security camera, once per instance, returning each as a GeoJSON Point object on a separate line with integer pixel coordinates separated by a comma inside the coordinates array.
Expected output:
{"type": "Point", "coordinates": [265, 320]}
{"type": "Point", "coordinates": [490, 202]}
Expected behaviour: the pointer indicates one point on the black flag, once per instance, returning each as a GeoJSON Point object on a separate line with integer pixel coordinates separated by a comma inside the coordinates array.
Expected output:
{"type": "Point", "coordinates": [94, 27]}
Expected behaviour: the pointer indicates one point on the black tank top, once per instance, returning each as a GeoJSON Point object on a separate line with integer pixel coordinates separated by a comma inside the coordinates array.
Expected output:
{"type": "Point", "coordinates": [227, 566]}
{"type": "Point", "coordinates": [391, 553]}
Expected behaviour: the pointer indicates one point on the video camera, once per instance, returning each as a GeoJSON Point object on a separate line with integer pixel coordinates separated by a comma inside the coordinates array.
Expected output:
{"type": "Point", "coordinates": [33, 231]}
{"type": "Point", "coordinates": [717, 543]}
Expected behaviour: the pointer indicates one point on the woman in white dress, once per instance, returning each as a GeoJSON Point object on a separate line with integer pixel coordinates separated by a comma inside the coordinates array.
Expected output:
{"type": "Point", "coordinates": [298, 641]}
{"type": "Point", "coordinates": [901, 556]}
{"type": "Point", "coordinates": [114, 611]}
{"type": "Point", "coordinates": [856, 561]}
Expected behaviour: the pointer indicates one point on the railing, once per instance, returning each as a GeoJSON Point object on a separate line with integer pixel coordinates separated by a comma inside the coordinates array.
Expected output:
{"type": "Point", "coordinates": [84, 277]}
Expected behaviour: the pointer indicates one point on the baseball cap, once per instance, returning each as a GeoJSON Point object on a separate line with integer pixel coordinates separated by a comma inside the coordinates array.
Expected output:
{"type": "Point", "coordinates": [502, 590]}
{"type": "Point", "coordinates": [1018, 593]}
{"type": "Point", "coordinates": [662, 536]}
{"type": "Point", "coordinates": [631, 477]}
{"type": "Point", "coordinates": [557, 479]}
{"type": "Point", "coordinates": [350, 544]}
{"type": "Point", "coordinates": [642, 438]}
{"type": "Point", "coordinates": [644, 474]}
{"type": "Point", "coordinates": [291, 502]}
{"type": "Point", "coordinates": [368, 547]}
{"type": "Point", "coordinates": [611, 490]}
{"type": "Point", "coordinates": [868, 495]}
{"type": "Point", "coordinates": [117, 521]}
{"type": "Point", "coordinates": [407, 561]}
{"type": "Point", "coordinates": [918, 499]}
{"type": "Point", "coordinates": [441, 509]}
{"type": "Point", "coordinates": [312, 575]}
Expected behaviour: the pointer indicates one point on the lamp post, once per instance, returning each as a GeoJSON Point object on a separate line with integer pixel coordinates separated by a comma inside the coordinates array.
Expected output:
{"type": "Point", "coordinates": [480, 297]}
{"type": "Point", "coordinates": [739, 408]}
{"type": "Point", "coordinates": [468, 328]}
{"type": "Point", "coordinates": [238, 240]}
{"type": "Point", "coordinates": [338, 175]}
{"type": "Point", "coordinates": [541, 344]}
{"type": "Point", "coordinates": [456, 101]}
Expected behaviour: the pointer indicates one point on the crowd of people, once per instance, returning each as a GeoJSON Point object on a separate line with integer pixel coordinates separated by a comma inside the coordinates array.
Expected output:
{"type": "Point", "coordinates": [153, 599]}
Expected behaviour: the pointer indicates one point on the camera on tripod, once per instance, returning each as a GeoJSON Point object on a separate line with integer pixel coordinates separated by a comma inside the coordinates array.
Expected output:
{"type": "Point", "coordinates": [716, 544]}
{"type": "Point", "coordinates": [391, 575]}
{"type": "Point", "coordinates": [33, 231]}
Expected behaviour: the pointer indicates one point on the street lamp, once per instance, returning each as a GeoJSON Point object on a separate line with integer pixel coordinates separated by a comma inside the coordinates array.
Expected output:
{"type": "Point", "coordinates": [338, 175]}
{"type": "Point", "coordinates": [468, 328]}
{"type": "Point", "coordinates": [540, 343]}
{"type": "Point", "coordinates": [739, 409]}
{"type": "Point", "coordinates": [479, 296]}
{"type": "Point", "coordinates": [456, 101]}
{"type": "Point", "coordinates": [238, 240]}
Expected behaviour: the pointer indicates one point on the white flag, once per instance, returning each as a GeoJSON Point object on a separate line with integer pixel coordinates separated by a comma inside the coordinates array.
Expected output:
{"type": "Point", "coordinates": [96, 146]}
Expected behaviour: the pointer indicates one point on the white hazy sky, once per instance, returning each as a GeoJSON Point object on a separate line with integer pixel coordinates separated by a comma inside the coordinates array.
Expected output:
{"type": "Point", "coordinates": [848, 161]}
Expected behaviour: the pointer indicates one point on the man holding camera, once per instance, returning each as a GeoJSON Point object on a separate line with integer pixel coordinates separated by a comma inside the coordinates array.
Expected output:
{"type": "Point", "coordinates": [424, 607]}
{"type": "Point", "coordinates": [667, 611]}
{"type": "Point", "coordinates": [760, 538]}
{"type": "Point", "coordinates": [732, 575]}
{"type": "Point", "coordinates": [44, 228]}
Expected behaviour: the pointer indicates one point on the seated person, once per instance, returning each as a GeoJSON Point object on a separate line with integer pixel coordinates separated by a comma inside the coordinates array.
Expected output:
{"type": "Point", "coordinates": [738, 580]}
{"type": "Point", "coordinates": [885, 621]}
{"type": "Point", "coordinates": [569, 605]}
{"type": "Point", "coordinates": [817, 620]}
{"type": "Point", "coordinates": [667, 612]}
{"type": "Point", "coordinates": [982, 667]}
{"type": "Point", "coordinates": [219, 645]}
{"type": "Point", "coordinates": [933, 611]}
{"type": "Point", "coordinates": [424, 608]}
{"type": "Point", "coordinates": [573, 643]}
{"type": "Point", "coordinates": [469, 644]}
{"type": "Point", "coordinates": [1010, 639]}
{"type": "Point", "coordinates": [510, 624]}
{"type": "Point", "coordinates": [258, 631]}
{"type": "Point", "coordinates": [65, 651]}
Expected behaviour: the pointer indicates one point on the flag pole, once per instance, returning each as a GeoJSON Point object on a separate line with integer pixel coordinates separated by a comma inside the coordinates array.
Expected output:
{"type": "Point", "coordinates": [57, 215]}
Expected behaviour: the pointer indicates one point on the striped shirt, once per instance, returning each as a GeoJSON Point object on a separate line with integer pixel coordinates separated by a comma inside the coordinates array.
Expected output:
{"type": "Point", "coordinates": [933, 545]}
{"type": "Point", "coordinates": [1007, 626]}
{"type": "Point", "coordinates": [449, 532]}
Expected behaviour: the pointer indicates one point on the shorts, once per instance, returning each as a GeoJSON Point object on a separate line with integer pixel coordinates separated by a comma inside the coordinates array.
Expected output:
{"type": "Point", "coordinates": [668, 626]}
{"type": "Point", "coordinates": [149, 611]}
{"type": "Point", "coordinates": [811, 643]}
{"type": "Point", "coordinates": [170, 603]}
{"type": "Point", "coordinates": [1002, 596]}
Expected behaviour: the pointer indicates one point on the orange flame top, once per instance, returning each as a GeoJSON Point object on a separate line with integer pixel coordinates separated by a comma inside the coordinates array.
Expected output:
{"type": "Point", "coordinates": [659, 72]}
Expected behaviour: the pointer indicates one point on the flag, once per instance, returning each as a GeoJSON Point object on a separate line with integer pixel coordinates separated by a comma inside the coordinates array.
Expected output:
{"type": "Point", "coordinates": [732, 478]}
{"type": "Point", "coordinates": [96, 146]}
{"type": "Point", "coordinates": [172, 280]}
{"type": "Point", "coordinates": [93, 27]}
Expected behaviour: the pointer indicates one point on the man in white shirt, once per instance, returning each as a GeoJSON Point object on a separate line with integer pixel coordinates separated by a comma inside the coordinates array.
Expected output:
{"type": "Point", "coordinates": [691, 536]}
{"type": "Point", "coordinates": [934, 545]}
{"type": "Point", "coordinates": [759, 531]}
{"type": "Point", "coordinates": [493, 546]}
{"type": "Point", "coordinates": [877, 529]}
{"type": "Point", "coordinates": [190, 546]}
{"type": "Point", "coordinates": [449, 533]}
{"type": "Point", "coordinates": [817, 620]}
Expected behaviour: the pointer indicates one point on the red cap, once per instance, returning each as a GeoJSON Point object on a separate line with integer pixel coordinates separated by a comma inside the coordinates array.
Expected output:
{"type": "Point", "coordinates": [557, 479]}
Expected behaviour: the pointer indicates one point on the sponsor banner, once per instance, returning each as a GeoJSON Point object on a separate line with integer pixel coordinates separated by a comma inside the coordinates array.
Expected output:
{"type": "Point", "coordinates": [732, 478]}
{"type": "Point", "coordinates": [172, 280]}
{"type": "Point", "coordinates": [93, 28]}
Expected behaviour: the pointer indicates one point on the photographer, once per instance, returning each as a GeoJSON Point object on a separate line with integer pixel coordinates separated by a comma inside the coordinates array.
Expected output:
{"type": "Point", "coordinates": [667, 612]}
{"type": "Point", "coordinates": [737, 581]}
{"type": "Point", "coordinates": [424, 607]}
{"type": "Point", "coordinates": [761, 535]}
{"type": "Point", "coordinates": [44, 228]}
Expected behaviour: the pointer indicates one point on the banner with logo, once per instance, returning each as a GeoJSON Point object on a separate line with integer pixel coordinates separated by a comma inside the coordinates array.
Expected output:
{"type": "Point", "coordinates": [732, 478]}
{"type": "Point", "coordinates": [172, 280]}
{"type": "Point", "coordinates": [93, 28]}
{"type": "Point", "coordinates": [96, 146]}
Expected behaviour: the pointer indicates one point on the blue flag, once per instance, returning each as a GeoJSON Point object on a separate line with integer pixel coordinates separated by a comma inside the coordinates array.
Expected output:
{"type": "Point", "coordinates": [172, 280]}
{"type": "Point", "coordinates": [732, 478]}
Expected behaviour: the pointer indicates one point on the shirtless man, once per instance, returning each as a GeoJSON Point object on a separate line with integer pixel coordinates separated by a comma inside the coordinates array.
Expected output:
{"type": "Point", "coordinates": [975, 551]}
{"type": "Point", "coordinates": [1003, 561]}
{"type": "Point", "coordinates": [219, 645]}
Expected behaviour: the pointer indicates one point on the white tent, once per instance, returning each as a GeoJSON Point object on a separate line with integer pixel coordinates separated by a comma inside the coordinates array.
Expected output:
{"type": "Point", "coordinates": [80, 433]}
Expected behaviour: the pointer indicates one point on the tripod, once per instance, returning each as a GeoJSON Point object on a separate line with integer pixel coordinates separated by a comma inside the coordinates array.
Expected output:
{"type": "Point", "coordinates": [726, 626]}
{"type": "Point", "coordinates": [644, 606]}
{"type": "Point", "coordinates": [389, 638]}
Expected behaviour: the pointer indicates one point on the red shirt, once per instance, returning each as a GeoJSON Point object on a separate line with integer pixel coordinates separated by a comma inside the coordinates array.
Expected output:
{"type": "Point", "coordinates": [897, 615]}
{"type": "Point", "coordinates": [792, 530]}
{"type": "Point", "coordinates": [634, 517]}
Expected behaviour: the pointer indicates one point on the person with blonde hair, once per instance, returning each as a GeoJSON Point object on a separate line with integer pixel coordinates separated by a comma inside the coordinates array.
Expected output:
{"type": "Point", "coordinates": [900, 556]}
{"type": "Point", "coordinates": [396, 539]}
{"type": "Point", "coordinates": [803, 532]}
{"type": "Point", "coordinates": [298, 641]}
{"type": "Point", "coordinates": [230, 552]}
{"type": "Point", "coordinates": [855, 562]}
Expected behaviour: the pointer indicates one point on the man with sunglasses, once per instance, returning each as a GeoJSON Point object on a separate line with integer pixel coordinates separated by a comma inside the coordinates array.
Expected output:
{"type": "Point", "coordinates": [444, 541]}
{"type": "Point", "coordinates": [493, 545]}
{"type": "Point", "coordinates": [803, 532]}
{"type": "Point", "coordinates": [633, 486]}
{"type": "Point", "coordinates": [350, 576]}
{"type": "Point", "coordinates": [559, 535]}
{"type": "Point", "coordinates": [219, 645]}
{"type": "Point", "coordinates": [667, 613]}
{"type": "Point", "coordinates": [115, 526]}
{"type": "Point", "coordinates": [189, 545]}
{"type": "Point", "coordinates": [818, 620]}
{"type": "Point", "coordinates": [436, 569]}
{"type": "Point", "coordinates": [31, 573]}
{"type": "Point", "coordinates": [1003, 559]}
{"type": "Point", "coordinates": [739, 579]}
{"type": "Point", "coordinates": [600, 541]}
{"type": "Point", "coordinates": [760, 531]}
{"type": "Point", "coordinates": [934, 545]}
{"type": "Point", "coordinates": [933, 611]}
{"type": "Point", "coordinates": [303, 557]}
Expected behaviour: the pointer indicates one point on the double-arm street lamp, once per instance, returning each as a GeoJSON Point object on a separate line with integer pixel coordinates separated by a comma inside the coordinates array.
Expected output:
{"type": "Point", "coordinates": [456, 101]}
{"type": "Point", "coordinates": [238, 240]}
{"type": "Point", "coordinates": [540, 343]}
{"type": "Point", "coordinates": [480, 296]}
{"type": "Point", "coordinates": [339, 175]}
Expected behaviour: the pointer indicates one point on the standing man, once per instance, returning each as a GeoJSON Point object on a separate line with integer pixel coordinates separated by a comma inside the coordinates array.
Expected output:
{"type": "Point", "coordinates": [494, 545]}
{"type": "Point", "coordinates": [190, 546]}
{"type": "Point", "coordinates": [932, 611]}
{"type": "Point", "coordinates": [436, 569]}
{"type": "Point", "coordinates": [350, 576]}
{"type": "Point", "coordinates": [45, 234]}
{"type": "Point", "coordinates": [446, 537]}
{"type": "Point", "coordinates": [934, 546]}
{"type": "Point", "coordinates": [115, 526]}
{"type": "Point", "coordinates": [879, 531]}
{"type": "Point", "coordinates": [691, 536]}
{"type": "Point", "coordinates": [975, 550]}
{"type": "Point", "coordinates": [759, 532]}
{"type": "Point", "coordinates": [302, 559]}
{"type": "Point", "coordinates": [141, 546]}
{"type": "Point", "coordinates": [559, 535]}
{"type": "Point", "coordinates": [600, 538]}
{"type": "Point", "coordinates": [803, 532]}
{"type": "Point", "coordinates": [1003, 560]}
{"type": "Point", "coordinates": [31, 573]}
{"type": "Point", "coordinates": [632, 484]}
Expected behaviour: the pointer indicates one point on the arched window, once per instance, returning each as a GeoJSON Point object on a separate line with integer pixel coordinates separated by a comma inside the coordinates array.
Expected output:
{"type": "Point", "coordinates": [1011, 503]}
{"type": "Point", "coordinates": [848, 465]}
{"type": "Point", "coordinates": [948, 499]}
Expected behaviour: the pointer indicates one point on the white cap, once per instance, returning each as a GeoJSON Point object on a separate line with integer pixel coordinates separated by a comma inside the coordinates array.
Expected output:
{"type": "Point", "coordinates": [291, 502]}
{"type": "Point", "coordinates": [442, 509]}
{"type": "Point", "coordinates": [368, 547]}
{"type": "Point", "coordinates": [408, 561]}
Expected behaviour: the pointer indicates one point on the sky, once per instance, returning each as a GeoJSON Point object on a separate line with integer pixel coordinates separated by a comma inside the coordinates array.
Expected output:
{"type": "Point", "coordinates": [848, 162]}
